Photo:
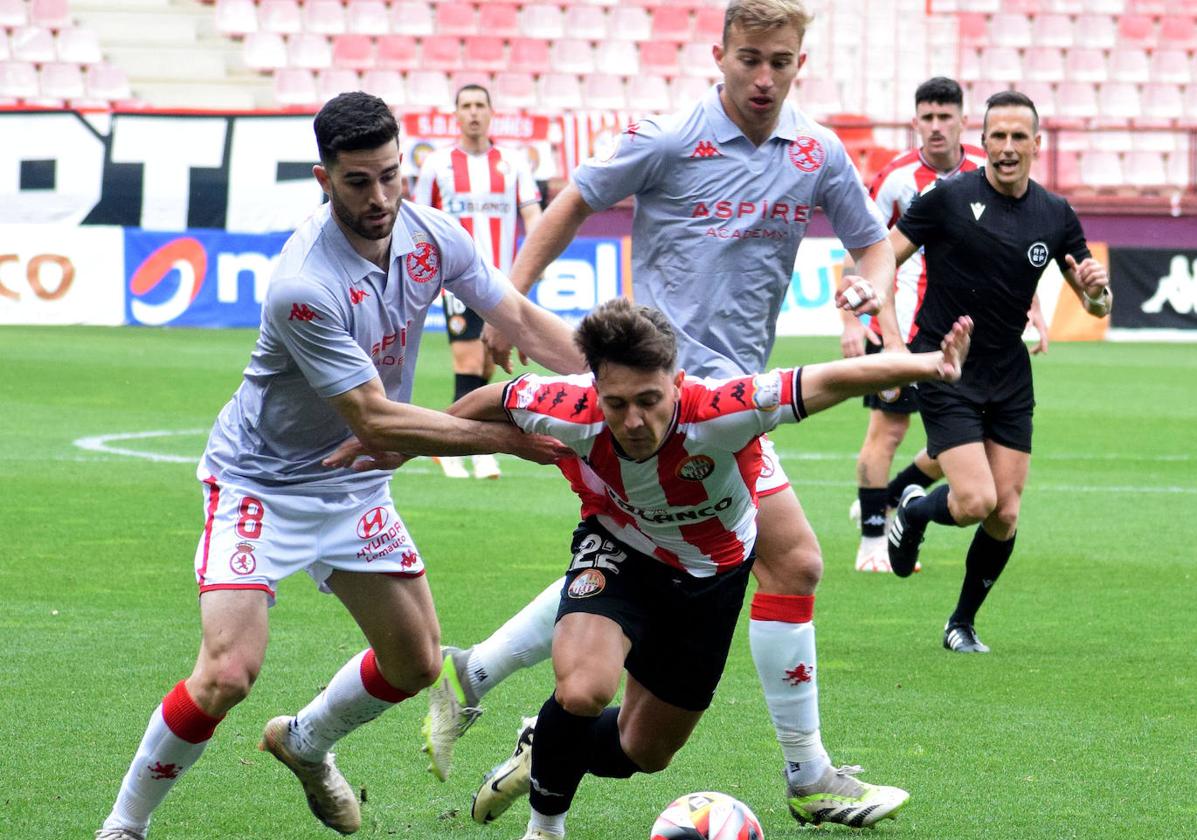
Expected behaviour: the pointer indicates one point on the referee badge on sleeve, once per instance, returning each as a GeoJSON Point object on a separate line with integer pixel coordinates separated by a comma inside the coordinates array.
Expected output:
{"type": "Point", "coordinates": [1038, 254]}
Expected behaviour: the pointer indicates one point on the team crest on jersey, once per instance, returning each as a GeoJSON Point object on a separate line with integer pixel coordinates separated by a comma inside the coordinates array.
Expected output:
{"type": "Point", "coordinates": [243, 561]}
{"type": "Point", "coordinates": [889, 395]}
{"type": "Point", "coordinates": [766, 391]}
{"type": "Point", "coordinates": [807, 153]}
{"type": "Point", "coordinates": [695, 468]}
{"type": "Point", "coordinates": [457, 324]}
{"type": "Point", "coordinates": [1038, 254]}
{"type": "Point", "coordinates": [588, 583]}
{"type": "Point", "coordinates": [423, 263]}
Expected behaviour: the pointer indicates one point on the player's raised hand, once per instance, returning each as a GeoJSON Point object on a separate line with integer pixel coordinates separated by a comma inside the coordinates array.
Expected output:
{"type": "Point", "coordinates": [955, 349]}
{"type": "Point", "coordinates": [1091, 274]}
{"type": "Point", "coordinates": [854, 336]}
{"type": "Point", "coordinates": [498, 345]}
{"type": "Point", "coordinates": [856, 295]}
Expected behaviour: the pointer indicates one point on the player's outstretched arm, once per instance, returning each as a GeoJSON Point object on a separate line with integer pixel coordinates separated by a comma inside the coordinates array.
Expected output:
{"type": "Point", "coordinates": [830, 383]}
{"type": "Point", "coordinates": [540, 333]}
{"type": "Point", "coordinates": [875, 265]}
{"type": "Point", "coordinates": [1091, 283]}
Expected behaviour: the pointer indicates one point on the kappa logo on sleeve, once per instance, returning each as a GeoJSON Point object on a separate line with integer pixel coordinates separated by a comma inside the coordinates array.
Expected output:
{"type": "Point", "coordinates": [303, 312]}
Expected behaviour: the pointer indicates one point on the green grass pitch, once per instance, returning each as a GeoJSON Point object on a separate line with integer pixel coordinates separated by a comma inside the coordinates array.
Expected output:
{"type": "Point", "coordinates": [1080, 724]}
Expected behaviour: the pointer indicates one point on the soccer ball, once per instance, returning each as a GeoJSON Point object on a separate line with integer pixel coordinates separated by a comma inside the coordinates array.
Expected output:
{"type": "Point", "coordinates": [707, 816]}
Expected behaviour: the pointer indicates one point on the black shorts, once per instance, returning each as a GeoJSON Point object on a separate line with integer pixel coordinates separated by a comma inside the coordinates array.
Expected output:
{"type": "Point", "coordinates": [680, 626]}
{"type": "Point", "coordinates": [892, 400]}
{"type": "Point", "coordinates": [461, 322]}
{"type": "Point", "coordinates": [994, 400]}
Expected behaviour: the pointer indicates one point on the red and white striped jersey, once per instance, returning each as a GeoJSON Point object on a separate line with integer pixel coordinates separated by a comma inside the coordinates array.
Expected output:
{"type": "Point", "coordinates": [692, 505]}
{"type": "Point", "coordinates": [895, 187]}
{"type": "Point", "coordinates": [483, 192]}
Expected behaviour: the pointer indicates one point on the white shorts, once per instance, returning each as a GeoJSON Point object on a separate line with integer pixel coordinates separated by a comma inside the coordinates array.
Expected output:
{"type": "Point", "coordinates": [773, 478]}
{"type": "Point", "coordinates": [254, 537]}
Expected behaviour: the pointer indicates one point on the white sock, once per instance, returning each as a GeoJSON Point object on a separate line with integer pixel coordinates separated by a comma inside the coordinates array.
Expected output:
{"type": "Point", "coordinates": [526, 639]}
{"type": "Point", "coordinates": [350, 700]}
{"type": "Point", "coordinates": [554, 823]}
{"type": "Point", "coordinates": [162, 757]}
{"type": "Point", "coordinates": [784, 653]}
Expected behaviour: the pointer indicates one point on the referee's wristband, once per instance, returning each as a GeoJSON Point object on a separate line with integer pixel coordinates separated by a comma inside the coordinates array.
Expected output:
{"type": "Point", "coordinates": [1101, 303]}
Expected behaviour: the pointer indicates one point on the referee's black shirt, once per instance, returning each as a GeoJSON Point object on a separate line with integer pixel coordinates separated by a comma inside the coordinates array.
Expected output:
{"type": "Point", "coordinates": [984, 253]}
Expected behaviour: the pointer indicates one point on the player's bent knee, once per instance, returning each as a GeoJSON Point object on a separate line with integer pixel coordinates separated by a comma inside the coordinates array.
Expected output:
{"type": "Point", "coordinates": [223, 684]}
{"type": "Point", "coordinates": [795, 571]}
{"type": "Point", "coordinates": [583, 698]}
{"type": "Point", "coordinates": [975, 506]}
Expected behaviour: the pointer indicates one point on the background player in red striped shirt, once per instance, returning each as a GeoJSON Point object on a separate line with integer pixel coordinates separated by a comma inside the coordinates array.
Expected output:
{"type": "Point", "coordinates": [484, 187]}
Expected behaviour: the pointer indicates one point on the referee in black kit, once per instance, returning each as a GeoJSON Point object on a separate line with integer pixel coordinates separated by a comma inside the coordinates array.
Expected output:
{"type": "Point", "coordinates": [987, 236]}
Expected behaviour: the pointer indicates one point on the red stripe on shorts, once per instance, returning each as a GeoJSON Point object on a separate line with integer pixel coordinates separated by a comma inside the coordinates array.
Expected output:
{"type": "Point", "coordinates": [213, 501]}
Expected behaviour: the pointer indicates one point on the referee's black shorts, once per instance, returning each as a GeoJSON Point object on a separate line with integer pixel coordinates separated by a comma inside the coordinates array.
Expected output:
{"type": "Point", "coordinates": [994, 400]}
{"type": "Point", "coordinates": [680, 626]}
{"type": "Point", "coordinates": [892, 400]}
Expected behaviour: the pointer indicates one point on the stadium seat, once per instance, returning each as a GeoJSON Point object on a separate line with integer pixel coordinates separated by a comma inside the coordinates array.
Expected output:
{"type": "Point", "coordinates": [648, 95]}
{"type": "Point", "coordinates": [1149, 7]}
{"type": "Point", "coordinates": [294, 87]}
{"type": "Point", "coordinates": [588, 22]}
{"type": "Point", "coordinates": [1052, 31]}
{"type": "Point", "coordinates": [1129, 65]}
{"type": "Point", "coordinates": [462, 78]}
{"type": "Point", "coordinates": [1006, 30]}
{"type": "Point", "coordinates": [18, 80]}
{"type": "Point", "coordinates": [708, 26]}
{"type": "Point", "coordinates": [659, 57]}
{"type": "Point", "coordinates": [33, 43]}
{"type": "Point", "coordinates": [326, 17]}
{"type": "Point", "coordinates": [1145, 169]}
{"type": "Point", "coordinates": [353, 52]}
{"type": "Point", "coordinates": [1044, 65]}
{"type": "Point", "coordinates": [1098, 32]}
{"type": "Point", "coordinates": [1064, 7]}
{"type": "Point", "coordinates": [1068, 170]}
{"type": "Point", "coordinates": [560, 92]}
{"type": "Point", "coordinates": [456, 19]}
{"type": "Point", "coordinates": [1086, 65]}
{"type": "Point", "coordinates": [281, 16]}
{"type": "Point", "coordinates": [1076, 101]}
{"type": "Point", "coordinates": [411, 17]}
{"type": "Point", "coordinates": [528, 55]}
{"type": "Point", "coordinates": [670, 23]}
{"type": "Point", "coordinates": [366, 17]}
{"type": "Point", "coordinates": [52, 14]}
{"type": "Point", "coordinates": [617, 57]}
{"type": "Point", "coordinates": [1101, 170]}
{"type": "Point", "coordinates": [1119, 101]}
{"type": "Point", "coordinates": [13, 13]}
{"type": "Point", "coordinates": [603, 91]}
{"type": "Point", "coordinates": [973, 30]}
{"type": "Point", "coordinates": [970, 66]}
{"type": "Point", "coordinates": [1178, 170]}
{"type": "Point", "coordinates": [5, 55]}
{"type": "Point", "coordinates": [1172, 67]}
{"type": "Point", "coordinates": [1023, 7]}
{"type": "Point", "coordinates": [819, 97]}
{"type": "Point", "coordinates": [1111, 141]}
{"type": "Point", "coordinates": [310, 51]}
{"type": "Point", "coordinates": [696, 59]}
{"type": "Point", "coordinates": [1106, 7]}
{"type": "Point", "coordinates": [336, 80]}
{"type": "Point", "coordinates": [1043, 95]}
{"type": "Point", "coordinates": [1001, 63]}
{"type": "Point", "coordinates": [441, 52]}
{"type": "Point", "coordinates": [397, 52]}
{"type": "Point", "coordinates": [499, 20]}
{"type": "Point", "coordinates": [106, 81]}
{"type": "Point", "coordinates": [78, 46]}
{"type": "Point", "coordinates": [989, 7]}
{"type": "Point", "coordinates": [236, 17]}
{"type": "Point", "coordinates": [1073, 141]}
{"type": "Point", "coordinates": [515, 90]}
{"type": "Point", "coordinates": [428, 89]}
{"type": "Point", "coordinates": [1179, 32]}
{"type": "Point", "coordinates": [1136, 31]}
{"type": "Point", "coordinates": [1162, 103]}
{"type": "Point", "coordinates": [979, 93]}
{"type": "Point", "coordinates": [538, 20]}
{"type": "Point", "coordinates": [571, 55]}
{"type": "Point", "coordinates": [61, 81]}
{"type": "Point", "coordinates": [485, 52]}
{"type": "Point", "coordinates": [264, 51]}
{"type": "Point", "coordinates": [685, 91]}
{"type": "Point", "coordinates": [386, 85]}
{"type": "Point", "coordinates": [630, 23]}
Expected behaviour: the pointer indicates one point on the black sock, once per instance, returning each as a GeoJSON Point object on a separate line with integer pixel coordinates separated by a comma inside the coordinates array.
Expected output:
{"type": "Point", "coordinates": [463, 383]}
{"type": "Point", "coordinates": [986, 559]}
{"type": "Point", "coordinates": [911, 475]}
{"type": "Point", "coordinates": [931, 508]}
{"type": "Point", "coordinates": [607, 758]}
{"type": "Point", "coordinates": [561, 752]}
{"type": "Point", "coordinates": [872, 511]}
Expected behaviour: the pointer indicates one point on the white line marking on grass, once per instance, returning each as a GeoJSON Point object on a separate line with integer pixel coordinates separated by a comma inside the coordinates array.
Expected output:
{"type": "Point", "coordinates": [103, 443]}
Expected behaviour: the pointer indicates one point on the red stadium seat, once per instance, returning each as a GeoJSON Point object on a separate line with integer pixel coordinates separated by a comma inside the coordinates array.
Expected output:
{"type": "Point", "coordinates": [973, 29]}
{"type": "Point", "coordinates": [1179, 32]}
{"type": "Point", "coordinates": [397, 52]}
{"type": "Point", "coordinates": [630, 23]}
{"type": "Point", "coordinates": [670, 23]}
{"type": "Point", "coordinates": [1119, 101]}
{"type": "Point", "coordinates": [571, 55]}
{"type": "Point", "coordinates": [281, 16]}
{"type": "Point", "coordinates": [264, 51]}
{"type": "Point", "coordinates": [588, 22]}
{"type": "Point", "coordinates": [648, 95]}
{"type": "Point", "coordinates": [1099, 32]}
{"type": "Point", "coordinates": [33, 43]}
{"type": "Point", "coordinates": [1068, 170]}
{"type": "Point", "coordinates": [13, 13]}
{"type": "Point", "coordinates": [538, 20]}
{"type": "Point", "coordinates": [428, 89]}
{"type": "Point", "coordinates": [441, 52]}
{"type": "Point", "coordinates": [617, 57]}
{"type": "Point", "coordinates": [312, 52]}
{"type": "Point", "coordinates": [1136, 31]}
{"type": "Point", "coordinates": [295, 87]}
{"type": "Point", "coordinates": [78, 46]}
{"type": "Point", "coordinates": [515, 90]}
{"type": "Point", "coordinates": [336, 80]}
{"type": "Point", "coordinates": [327, 17]}
{"type": "Point", "coordinates": [1129, 65]}
{"type": "Point", "coordinates": [528, 55]}
{"type": "Point", "coordinates": [1086, 65]}
{"type": "Point", "coordinates": [1007, 30]}
{"type": "Point", "coordinates": [659, 57]}
{"type": "Point", "coordinates": [1172, 67]}
{"type": "Point", "coordinates": [236, 17]}
{"type": "Point", "coordinates": [1052, 31]}
{"type": "Point", "coordinates": [499, 20]}
{"type": "Point", "coordinates": [561, 92]}
{"type": "Point", "coordinates": [696, 60]}
{"type": "Point", "coordinates": [353, 52]}
{"type": "Point", "coordinates": [605, 92]}
{"type": "Point", "coordinates": [62, 81]}
{"type": "Point", "coordinates": [104, 81]}
{"type": "Point", "coordinates": [366, 17]}
{"type": "Point", "coordinates": [485, 52]}
{"type": "Point", "coordinates": [387, 85]}
{"type": "Point", "coordinates": [708, 26]}
{"type": "Point", "coordinates": [18, 80]}
{"type": "Point", "coordinates": [456, 19]}
{"type": "Point", "coordinates": [53, 14]}
{"type": "Point", "coordinates": [411, 17]}
{"type": "Point", "coordinates": [1045, 65]}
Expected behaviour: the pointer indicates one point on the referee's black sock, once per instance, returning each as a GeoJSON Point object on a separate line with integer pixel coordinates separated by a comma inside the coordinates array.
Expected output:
{"type": "Point", "coordinates": [463, 383]}
{"type": "Point", "coordinates": [562, 747]}
{"type": "Point", "coordinates": [931, 508]}
{"type": "Point", "coordinates": [987, 557]}
{"type": "Point", "coordinates": [607, 758]}
{"type": "Point", "coordinates": [872, 511]}
{"type": "Point", "coordinates": [910, 475]}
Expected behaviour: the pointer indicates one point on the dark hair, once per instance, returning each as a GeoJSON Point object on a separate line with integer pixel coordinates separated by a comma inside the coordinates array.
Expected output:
{"type": "Point", "coordinates": [940, 90]}
{"type": "Point", "coordinates": [350, 122]}
{"type": "Point", "coordinates": [622, 333]}
{"type": "Point", "coordinates": [464, 88]}
{"type": "Point", "coordinates": [1004, 98]}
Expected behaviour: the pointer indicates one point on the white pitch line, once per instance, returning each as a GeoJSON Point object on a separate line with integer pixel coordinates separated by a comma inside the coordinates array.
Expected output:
{"type": "Point", "coordinates": [102, 443]}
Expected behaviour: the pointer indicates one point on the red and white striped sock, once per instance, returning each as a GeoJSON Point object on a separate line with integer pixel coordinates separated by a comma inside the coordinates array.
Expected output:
{"type": "Point", "coordinates": [175, 738]}
{"type": "Point", "coordinates": [357, 694]}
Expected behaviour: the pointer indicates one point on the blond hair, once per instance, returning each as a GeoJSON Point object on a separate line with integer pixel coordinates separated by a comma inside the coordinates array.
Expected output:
{"type": "Point", "coordinates": [758, 15]}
